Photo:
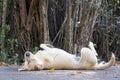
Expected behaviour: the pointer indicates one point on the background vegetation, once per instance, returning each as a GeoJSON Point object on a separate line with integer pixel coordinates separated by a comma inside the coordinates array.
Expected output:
{"type": "Point", "coordinates": [66, 24]}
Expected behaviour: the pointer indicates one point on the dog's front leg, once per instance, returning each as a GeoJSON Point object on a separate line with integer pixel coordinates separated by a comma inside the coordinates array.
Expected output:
{"type": "Point", "coordinates": [48, 62]}
{"type": "Point", "coordinates": [24, 67]}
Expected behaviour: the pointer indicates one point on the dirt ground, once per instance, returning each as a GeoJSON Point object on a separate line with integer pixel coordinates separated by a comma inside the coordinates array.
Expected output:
{"type": "Point", "coordinates": [11, 73]}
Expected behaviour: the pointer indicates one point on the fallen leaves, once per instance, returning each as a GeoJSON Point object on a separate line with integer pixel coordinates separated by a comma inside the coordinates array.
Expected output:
{"type": "Point", "coordinates": [52, 70]}
{"type": "Point", "coordinates": [2, 63]}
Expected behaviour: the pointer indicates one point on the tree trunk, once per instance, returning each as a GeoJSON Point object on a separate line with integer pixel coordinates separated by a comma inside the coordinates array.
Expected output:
{"type": "Point", "coordinates": [23, 31]}
{"type": "Point", "coordinates": [87, 21]}
{"type": "Point", "coordinates": [3, 54]}
{"type": "Point", "coordinates": [69, 28]}
{"type": "Point", "coordinates": [43, 7]}
{"type": "Point", "coordinates": [32, 23]}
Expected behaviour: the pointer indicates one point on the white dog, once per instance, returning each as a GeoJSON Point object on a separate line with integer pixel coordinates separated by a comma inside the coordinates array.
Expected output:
{"type": "Point", "coordinates": [56, 58]}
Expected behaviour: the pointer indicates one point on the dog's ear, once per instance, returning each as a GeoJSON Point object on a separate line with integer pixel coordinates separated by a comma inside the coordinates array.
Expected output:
{"type": "Point", "coordinates": [38, 67]}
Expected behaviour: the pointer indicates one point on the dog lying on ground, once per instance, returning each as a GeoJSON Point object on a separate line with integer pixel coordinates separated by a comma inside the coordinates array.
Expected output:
{"type": "Point", "coordinates": [56, 58]}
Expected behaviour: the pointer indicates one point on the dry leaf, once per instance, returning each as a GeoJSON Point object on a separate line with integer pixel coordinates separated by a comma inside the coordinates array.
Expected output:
{"type": "Point", "coordinates": [2, 63]}
{"type": "Point", "coordinates": [52, 70]}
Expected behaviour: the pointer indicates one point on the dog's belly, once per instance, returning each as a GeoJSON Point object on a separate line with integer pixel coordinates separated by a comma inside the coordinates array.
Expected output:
{"type": "Point", "coordinates": [64, 62]}
{"type": "Point", "coordinates": [62, 66]}
{"type": "Point", "coordinates": [59, 59]}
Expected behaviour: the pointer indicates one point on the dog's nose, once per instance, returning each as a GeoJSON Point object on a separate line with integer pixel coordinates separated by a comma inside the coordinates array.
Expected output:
{"type": "Point", "coordinates": [27, 54]}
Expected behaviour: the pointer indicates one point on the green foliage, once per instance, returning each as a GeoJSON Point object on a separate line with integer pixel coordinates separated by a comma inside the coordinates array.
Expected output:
{"type": "Point", "coordinates": [12, 55]}
{"type": "Point", "coordinates": [4, 29]}
{"type": "Point", "coordinates": [13, 59]}
{"type": "Point", "coordinates": [109, 24]}
{"type": "Point", "coordinates": [11, 45]}
{"type": "Point", "coordinates": [1, 1]}
{"type": "Point", "coordinates": [35, 49]}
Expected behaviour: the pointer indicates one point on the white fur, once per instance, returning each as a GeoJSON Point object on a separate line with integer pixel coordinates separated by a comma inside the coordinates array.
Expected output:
{"type": "Point", "coordinates": [91, 46]}
{"type": "Point", "coordinates": [60, 59]}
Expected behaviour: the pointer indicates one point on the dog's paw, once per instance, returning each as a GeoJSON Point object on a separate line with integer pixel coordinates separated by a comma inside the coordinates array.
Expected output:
{"type": "Point", "coordinates": [46, 46]}
{"type": "Point", "coordinates": [20, 69]}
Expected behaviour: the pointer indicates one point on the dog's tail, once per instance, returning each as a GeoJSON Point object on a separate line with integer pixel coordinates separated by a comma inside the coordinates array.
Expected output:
{"type": "Point", "coordinates": [106, 65]}
{"type": "Point", "coordinates": [46, 46]}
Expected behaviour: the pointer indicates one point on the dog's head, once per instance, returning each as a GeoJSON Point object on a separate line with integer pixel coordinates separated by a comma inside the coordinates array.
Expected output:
{"type": "Point", "coordinates": [31, 62]}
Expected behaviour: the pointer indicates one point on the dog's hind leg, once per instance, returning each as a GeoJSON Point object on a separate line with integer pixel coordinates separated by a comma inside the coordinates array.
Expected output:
{"type": "Point", "coordinates": [88, 60]}
{"type": "Point", "coordinates": [91, 46]}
